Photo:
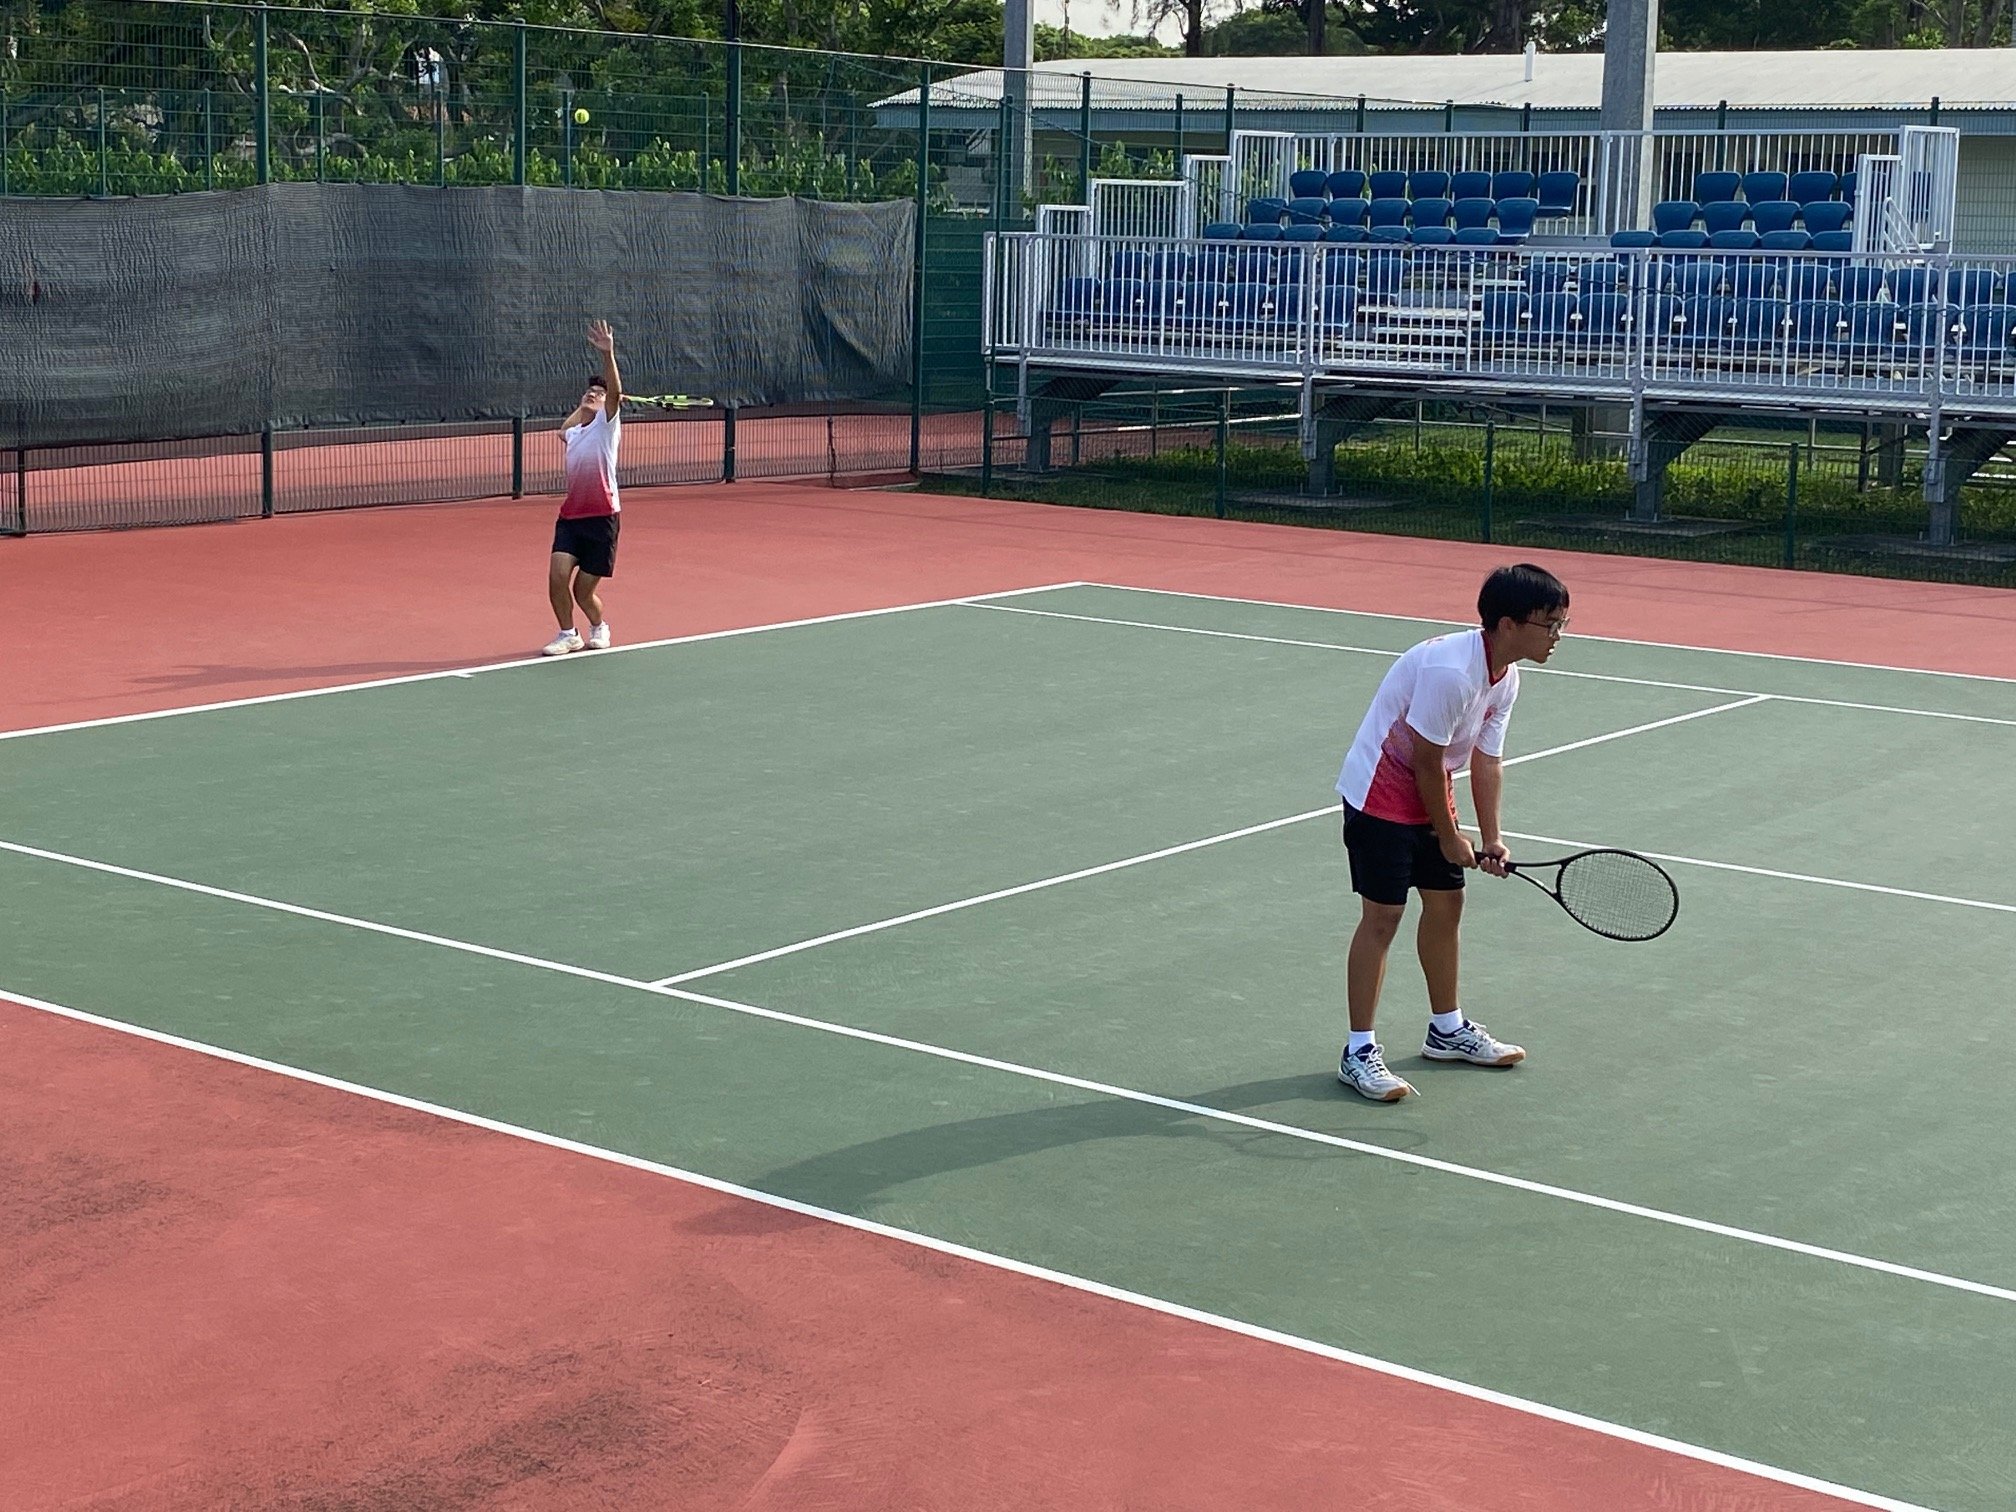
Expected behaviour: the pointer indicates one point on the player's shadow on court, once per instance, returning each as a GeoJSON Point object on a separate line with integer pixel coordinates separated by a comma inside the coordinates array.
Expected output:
{"type": "Point", "coordinates": [852, 1179]}
{"type": "Point", "coordinates": [223, 677]}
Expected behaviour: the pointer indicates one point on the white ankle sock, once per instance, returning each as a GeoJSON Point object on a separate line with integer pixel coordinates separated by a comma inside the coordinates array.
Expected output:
{"type": "Point", "coordinates": [1360, 1038]}
{"type": "Point", "coordinates": [1446, 1023]}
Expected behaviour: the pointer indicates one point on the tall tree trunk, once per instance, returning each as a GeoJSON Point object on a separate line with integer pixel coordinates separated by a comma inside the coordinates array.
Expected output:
{"type": "Point", "coordinates": [1193, 28]}
{"type": "Point", "coordinates": [1313, 12]}
{"type": "Point", "coordinates": [1507, 29]}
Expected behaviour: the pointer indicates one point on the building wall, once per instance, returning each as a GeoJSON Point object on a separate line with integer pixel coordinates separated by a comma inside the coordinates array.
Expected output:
{"type": "Point", "coordinates": [1985, 219]}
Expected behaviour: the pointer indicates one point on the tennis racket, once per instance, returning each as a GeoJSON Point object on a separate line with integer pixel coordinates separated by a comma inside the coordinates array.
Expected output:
{"type": "Point", "coordinates": [1614, 893]}
{"type": "Point", "coordinates": [670, 401]}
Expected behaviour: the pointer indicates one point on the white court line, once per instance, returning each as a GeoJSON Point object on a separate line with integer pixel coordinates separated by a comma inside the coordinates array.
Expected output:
{"type": "Point", "coordinates": [1531, 671]}
{"type": "Point", "coordinates": [1057, 1078]}
{"type": "Point", "coordinates": [1612, 640]}
{"type": "Point", "coordinates": [1173, 850]}
{"type": "Point", "coordinates": [523, 661]}
{"type": "Point", "coordinates": [994, 1261]}
{"type": "Point", "coordinates": [1783, 876]}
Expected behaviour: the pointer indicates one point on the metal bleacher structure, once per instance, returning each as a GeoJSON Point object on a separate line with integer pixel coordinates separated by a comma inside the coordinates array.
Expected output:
{"type": "Point", "coordinates": [1671, 281]}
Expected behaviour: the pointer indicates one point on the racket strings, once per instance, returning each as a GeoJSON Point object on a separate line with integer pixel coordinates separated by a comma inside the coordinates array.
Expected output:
{"type": "Point", "coordinates": [1623, 896]}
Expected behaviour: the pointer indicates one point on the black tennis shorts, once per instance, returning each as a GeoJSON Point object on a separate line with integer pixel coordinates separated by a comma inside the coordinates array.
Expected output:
{"type": "Point", "coordinates": [1388, 858]}
{"type": "Point", "coordinates": [591, 542]}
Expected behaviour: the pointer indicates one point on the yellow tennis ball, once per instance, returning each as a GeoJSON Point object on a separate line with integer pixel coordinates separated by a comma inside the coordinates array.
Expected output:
{"type": "Point", "coordinates": [580, 118]}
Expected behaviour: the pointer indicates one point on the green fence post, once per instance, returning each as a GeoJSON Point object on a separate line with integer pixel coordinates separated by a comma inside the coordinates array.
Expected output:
{"type": "Point", "coordinates": [21, 490]}
{"type": "Point", "coordinates": [731, 148]}
{"type": "Point", "coordinates": [918, 256]}
{"type": "Point", "coordinates": [262, 120]}
{"type": "Point", "coordinates": [1360, 127]}
{"type": "Point", "coordinates": [1004, 174]}
{"type": "Point", "coordinates": [1792, 505]}
{"type": "Point", "coordinates": [104, 172]}
{"type": "Point", "coordinates": [321, 137]}
{"type": "Point", "coordinates": [209, 146]}
{"type": "Point", "coordinates": [1490, 459]}
{"type": "Point", "coordinates": [1085, 139]}
{"type": "Point", "coordinates": [1224, 443]}
{"type": "Point", "coordinates": [567, 137]}
{"type": "Point", "coordinates": [517, 456]}
{"type": "Point", "coordinates": [266, 473]}
{"type": "Point", "coordinates": [706, 125]}
{"type": "Point", "coordinates": [3, 143]}
{"type": "Point", "coordinates": [1177, 151]}
{"type": "Point", "coordinates": [440, 137]}
{"type": "Point", "coordinates": [518, 102]}
{"type": "Point", "coordinates": [1231, 114]}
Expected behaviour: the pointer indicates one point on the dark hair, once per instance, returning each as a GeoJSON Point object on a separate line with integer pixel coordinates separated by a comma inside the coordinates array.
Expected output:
{"type": "Point", "coordinates": [596, 380]}
{"type": "Point", "coordinates": [1515, 592]}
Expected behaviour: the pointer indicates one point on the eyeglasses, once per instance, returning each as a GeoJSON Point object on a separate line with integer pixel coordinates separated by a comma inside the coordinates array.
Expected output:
{"type": "Point", "coordinates": [1556, 627]}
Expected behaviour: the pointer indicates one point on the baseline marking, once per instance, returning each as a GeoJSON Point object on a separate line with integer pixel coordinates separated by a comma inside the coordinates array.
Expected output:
{"type": "Point", "coordinates": [1641, 682]}
{"type": "Point", "coordinates": [1173, 850]}
{"type": "Point", "coordinates": [524, 661]}
{"type": "Point", "coordinates": [999, 1262]}
{"type": "Point", "coordinates": [1057, 1078]}
{"type": "Point", "coordinates": [1614, 640]}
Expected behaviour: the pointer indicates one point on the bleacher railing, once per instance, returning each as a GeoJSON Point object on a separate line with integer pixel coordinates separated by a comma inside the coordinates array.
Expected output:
{"type": "Point", "coordinates": [1912, 335]}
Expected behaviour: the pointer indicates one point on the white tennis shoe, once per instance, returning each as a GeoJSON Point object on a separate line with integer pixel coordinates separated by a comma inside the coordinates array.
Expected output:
{"type": "Point", "coordinates": [567, 640]}
{"type": "Point", "coordinates": [598, 638]}
{"type": "Point", "coordinates": [1365, 1073]}
{"type": "Point", "coordinates": [1473, 1043]}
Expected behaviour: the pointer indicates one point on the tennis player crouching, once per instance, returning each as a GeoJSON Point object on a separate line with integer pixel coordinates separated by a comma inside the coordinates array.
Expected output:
{"type": "Point", "coordinates": [584, 539]}
{"type": "Point", "coordinates": [1444, 705]}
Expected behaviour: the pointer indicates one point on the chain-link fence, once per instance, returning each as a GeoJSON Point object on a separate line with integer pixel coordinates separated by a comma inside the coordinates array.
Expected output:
{"type": "Point", "coordinates": [1842, 498]}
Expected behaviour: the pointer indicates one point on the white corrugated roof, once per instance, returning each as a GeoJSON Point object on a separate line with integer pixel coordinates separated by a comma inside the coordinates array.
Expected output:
{"type": "Point", "coordinates": [1841, 79]}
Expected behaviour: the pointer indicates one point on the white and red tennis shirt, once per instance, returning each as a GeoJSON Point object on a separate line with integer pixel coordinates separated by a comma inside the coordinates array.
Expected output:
{"type": "Point", "coordinates": [591, 468]}
{"type": "Point", "coordinates": [1440, 691]}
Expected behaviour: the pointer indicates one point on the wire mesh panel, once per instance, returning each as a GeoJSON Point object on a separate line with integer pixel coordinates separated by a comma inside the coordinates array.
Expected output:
{"type": "Point", "coordinates": [1141, 207]}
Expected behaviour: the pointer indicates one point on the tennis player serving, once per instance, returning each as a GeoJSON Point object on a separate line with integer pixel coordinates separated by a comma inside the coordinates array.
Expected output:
{"type": "Point", "coordinates": [1443, 705]}
{"type": "Point", "coordinates": [584, 539]}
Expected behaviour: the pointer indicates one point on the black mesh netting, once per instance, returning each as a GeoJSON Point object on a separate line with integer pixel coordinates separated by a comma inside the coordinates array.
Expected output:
{"type": "Point", "coordinates": [341, 304]}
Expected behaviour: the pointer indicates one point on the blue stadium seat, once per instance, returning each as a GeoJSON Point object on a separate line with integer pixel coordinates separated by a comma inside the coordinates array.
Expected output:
{"type": "Point", "coordinates": [1308, 211]}
{"type": "Point", "coordinates": [1833, 241]}
{"type": "Point", "coordinates": [1347, 212]}
{"type": "Point", "coordinates": [1815, 325]}
{"type": "Point", "coordinates": [1709, 187]}
{"type": "Point", "coordinates": [1302, 234]}
{"type": "Point", "coordinates": [1870, 329]}
{"type": "Point", "coordinates": [1760, 326]}
{"type": "Point", "coordinates": [1847, 189]}
{"type": "Point", "coordinates": [1605, 318]}
{"type": "Point", "coordinates": [1470, 184]}
{"type": "Point", "coordinates": [1723, 215]}
{"type": "Point", "coordinates": [1784, 241]}
{"type": "Point", "coordinates": [1858, 283]}
{"type": "Point", "coordinates": [1912, 285]}
{"type": "Point", "coordinates": [1970, 286]}
{"type": "Point", "coordinates": [1266, 209]}
{"type": "Point", "coordinates": [1475, 236]}
{"type": "Point", "coordinates": [1546, 277]}
{"type": "Point", "coordinates": [1387, 217]}
{"type": "Point", "coordinates": [1388, 184]}
{"type": "Point", "coordinates": [1927, 328]}
{"type": "Point", "coordinates": [1205, 302]}
{"type": "Point", "coordinates": [1628, 239]}
{"type": "Point", "coordinates": [1080, 298]}
{"type": "Point", "coordinates": [1429, 214]}
{"type": "Point", "coordinates": [1168, 301]}
{"type": "Point", "coordinates": [1342, 267]}
{"type": "Point", "coordinates": [1223, 231]}
{"type": "Point", "coordinates": [1707, 321]}
{"type": "Point", "coordinates": [1738, 240]}
{"type": "Point", "coordinates": [1346, 184]}
{"type": "Point", "coordinates": [1247, 304]}
{"type": "Point", "coordinates": [1306, 183]}
{"type": "Point", "coordinates": [1516, 217]}
{"type": "Point", "coordinates": [1504, 312]}
{"type": "Point", "coordinates": [1674, 215]}
{"type": "Point", "coordinates": [1556, 192]}
{"type": "Point", "coordinates": [1698, 280]}
{"type": "Point", "coordinates": [1813, 184]}
{"type": "Point", "coordinates": [1473, 213]}
{"type": "Point", "coordinates": [1759, 187]}
{"type": "Point", "coordinates": [1551, 318]}
{"type": "Point", "coordinates": [1774, 215]}
{"type": "Point", "coordinates": [1754, 278]}
{"type": "Point", "coordinates": [1807, 279]}
{"type": "Point", "coordinates": [1126, 300]}
{"type": "Point", "coordinates": [1600, 276]}
{"type": "Point", "coordinates": [1826, 215]}
{"type": "Point", "coordinates": [1662, 316]}
{"type": "Point", "coordinates": [1340, 309]}
{"type": "Point", "coordinates": [1131, 262]}
{"type": "Point", "coordinates": [1385, 271]}
{"type": "Point", "coordinates": [1346, 234]}
{"type": "Point", "coordinates": [1513, 183]}
{"type": "Point", "coordinates": [1988, 333]}
{"type": "Point", "coordinates": [1428, 183]}
{"type": "Point", "coordinates": [1683, 240]}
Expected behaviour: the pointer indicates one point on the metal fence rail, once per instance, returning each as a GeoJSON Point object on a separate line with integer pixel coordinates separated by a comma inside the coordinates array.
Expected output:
{"type": "Point", "coordinates": [1916, 335]}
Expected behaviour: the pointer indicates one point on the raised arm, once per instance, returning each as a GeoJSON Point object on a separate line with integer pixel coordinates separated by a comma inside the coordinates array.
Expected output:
{"type": "Point", "coordinates": [603, 340]}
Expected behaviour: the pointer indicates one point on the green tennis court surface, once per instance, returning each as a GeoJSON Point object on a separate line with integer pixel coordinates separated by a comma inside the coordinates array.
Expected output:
{"type": "Point", "coordinates": [1749, 1192]}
